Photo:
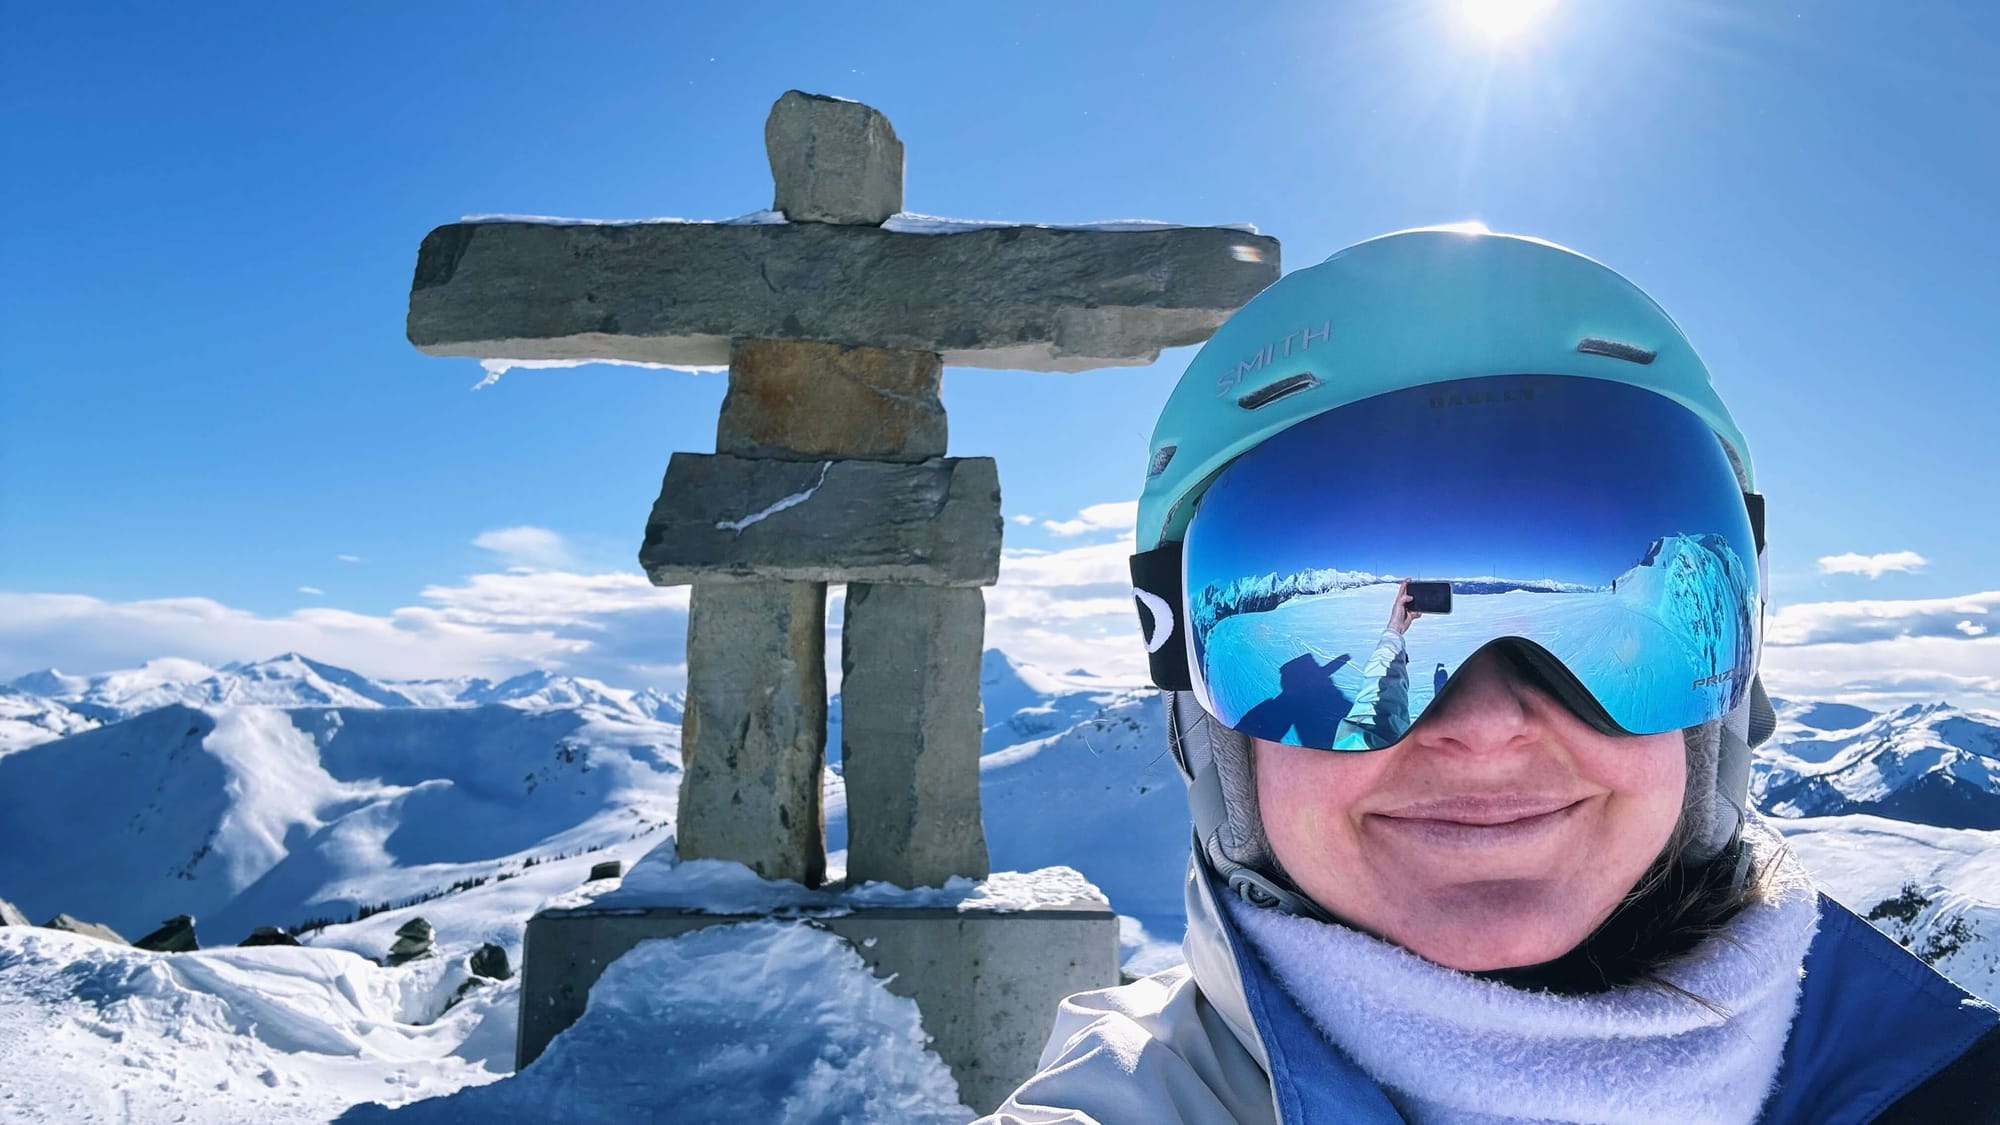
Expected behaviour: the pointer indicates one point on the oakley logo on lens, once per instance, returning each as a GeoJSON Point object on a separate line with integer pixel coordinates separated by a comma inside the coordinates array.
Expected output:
{"type": "Point", "coordinates": [1482, 398]}
{"type": "Point", "coordinates": [1163, 619]}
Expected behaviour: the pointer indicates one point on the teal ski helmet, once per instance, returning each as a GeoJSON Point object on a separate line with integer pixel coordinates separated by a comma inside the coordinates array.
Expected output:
{"type": "Point", "coordinates": [1404, 310]}
{"type": "Point", "coordinates": [1396, 312]}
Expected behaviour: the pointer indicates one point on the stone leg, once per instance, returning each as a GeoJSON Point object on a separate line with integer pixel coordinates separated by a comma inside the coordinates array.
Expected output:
{"type": "Point", "coordinates": [910, 730]}
{"type": "Point", "coordinates": [753, 740]}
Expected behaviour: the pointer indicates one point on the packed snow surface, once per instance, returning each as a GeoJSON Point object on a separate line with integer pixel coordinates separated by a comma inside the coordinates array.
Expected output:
{"type": "Point", "coordinates": [753, 1022]}
{"type": "Point", "coordinates": [96, 1032]}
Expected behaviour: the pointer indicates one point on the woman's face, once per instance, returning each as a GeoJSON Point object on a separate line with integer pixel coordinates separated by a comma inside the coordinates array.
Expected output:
{"type": "Point", "coordinates": [1498, 833]}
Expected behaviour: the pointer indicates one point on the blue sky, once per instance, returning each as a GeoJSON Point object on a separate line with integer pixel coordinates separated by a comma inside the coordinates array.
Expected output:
{"type": "Point", "coordinates": [207, 406]}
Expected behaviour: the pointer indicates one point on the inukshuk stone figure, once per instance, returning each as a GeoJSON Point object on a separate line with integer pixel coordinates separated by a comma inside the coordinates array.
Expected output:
{"type": "Point", "coordinates": [836, 316]}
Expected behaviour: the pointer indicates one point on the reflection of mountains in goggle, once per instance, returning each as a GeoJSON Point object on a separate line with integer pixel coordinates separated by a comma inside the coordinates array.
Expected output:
{"type": "Point", "coordinates": [1305, 659]}
{"type": "Point", "coordinates": [1674, 567]}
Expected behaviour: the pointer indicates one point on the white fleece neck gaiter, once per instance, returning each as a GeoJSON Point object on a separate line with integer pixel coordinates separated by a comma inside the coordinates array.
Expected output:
{"type": "Point", "coordinates": [1452, 1048]}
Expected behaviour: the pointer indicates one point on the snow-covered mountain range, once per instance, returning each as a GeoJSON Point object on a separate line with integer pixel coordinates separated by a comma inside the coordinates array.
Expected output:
{"type": "Point", "coordinates": [1927, 763]}
{"type": "Point", "coordinates": [286, 791]}
{"type": "Point", "coordinates": [292, 680]}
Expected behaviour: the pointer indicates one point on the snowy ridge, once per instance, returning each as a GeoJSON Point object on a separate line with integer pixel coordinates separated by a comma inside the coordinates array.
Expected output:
{"type": "Point", "coordinates": [1929, 763]}
{"type": "Point", "coordinates": [1935, 890]}
{"type": "Point", "coordinates": [26, 720]}
{"type": "Point", "coordinates": [292, 680]}
{"type": "Point", "coordinates": [249, 815]}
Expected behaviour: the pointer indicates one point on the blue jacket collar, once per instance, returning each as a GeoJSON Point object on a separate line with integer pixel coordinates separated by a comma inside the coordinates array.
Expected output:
{"type": "Point", "coordinates": [1874, 1023]}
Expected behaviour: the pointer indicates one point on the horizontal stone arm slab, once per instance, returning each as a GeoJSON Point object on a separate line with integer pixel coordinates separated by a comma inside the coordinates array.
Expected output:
{"type": "Point", "coordinates": [934, 523]}
{"type": "Point", "coordinates": [1023, 298]}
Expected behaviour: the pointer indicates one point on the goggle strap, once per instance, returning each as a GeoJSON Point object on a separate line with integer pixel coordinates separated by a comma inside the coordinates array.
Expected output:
{"type": "Point", "coordinates": [1754, 503]}
{"type": "Point", "coordinates": [1156, 591]}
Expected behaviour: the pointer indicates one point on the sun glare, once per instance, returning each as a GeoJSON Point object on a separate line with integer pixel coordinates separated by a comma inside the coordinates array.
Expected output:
{"type": "Point", "coordinates": [1501, 21]}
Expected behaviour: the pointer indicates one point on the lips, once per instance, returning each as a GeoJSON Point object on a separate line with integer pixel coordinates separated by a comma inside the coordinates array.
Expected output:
{"type": "Point", "coordinates": [1479, 822]}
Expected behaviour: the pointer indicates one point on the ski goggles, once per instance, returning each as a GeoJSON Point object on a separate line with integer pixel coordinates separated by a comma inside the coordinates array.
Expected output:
{"type": "Point", "coordinates": [1595, 530]}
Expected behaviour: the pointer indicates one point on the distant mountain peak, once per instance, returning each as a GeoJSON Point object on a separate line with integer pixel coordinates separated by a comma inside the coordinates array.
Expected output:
{"type": "Point", "coordinates": [1928, 763]}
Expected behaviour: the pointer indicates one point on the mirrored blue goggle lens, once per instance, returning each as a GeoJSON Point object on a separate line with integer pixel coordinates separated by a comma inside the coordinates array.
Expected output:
{"type": "Point", "coordinates": [1599, 522]}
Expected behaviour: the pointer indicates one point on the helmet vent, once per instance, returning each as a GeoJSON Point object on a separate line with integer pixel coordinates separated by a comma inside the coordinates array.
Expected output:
{"type": "Point", "coordinates": [1272, 392]}
{"type": "Point", "coordinates": [1593, 345]}
{"type": "Point", "coordinates": [1161, 459]}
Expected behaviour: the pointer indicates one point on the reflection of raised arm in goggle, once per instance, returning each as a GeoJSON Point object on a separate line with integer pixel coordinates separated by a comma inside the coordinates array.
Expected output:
{"type": "Point", "coordinates": [1380, 716]}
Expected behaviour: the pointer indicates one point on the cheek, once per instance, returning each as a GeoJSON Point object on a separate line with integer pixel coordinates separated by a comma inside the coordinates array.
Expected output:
{"type": "Point", "coordinates": [1660, 767]}
{"type": "Point", "coordinates": [1647, 775]}
{"type": "Point", "coordinates": [1306, 797]}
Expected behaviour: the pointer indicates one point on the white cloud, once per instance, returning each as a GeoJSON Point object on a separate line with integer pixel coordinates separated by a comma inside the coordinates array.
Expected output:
{"type": "Point", "coordinates": [1872, 566]}
{"type": "Point", "coordinates": [1889, 673]}
{"type": "Point", "coordinates": [1070, 608]}
{"type": "Point", "coordinates": [1119, 515]}
{"type": "Point", "coordinates": [315, 591]}
{"type": "Point", "coordinates": [348, 558]}
{"type": "Point", "coordinates": [1854, 622]}
{"type": "Point", "coordinates": [1059, 609]}
{"type": "Point", "coordinates": [533, 547]}
{"type": "Point", "coordinates": [1886, 653]}
{"type": "Point", "coordinates": [523, 597]}
{"type": "Point", "coordinates": [613, 627]}
{"type": "Point", "coordinates": [1024, 521]}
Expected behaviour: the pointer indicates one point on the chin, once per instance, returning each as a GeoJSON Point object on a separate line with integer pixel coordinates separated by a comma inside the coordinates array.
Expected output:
{"type": "Point", "coordinates": [1490, 926]}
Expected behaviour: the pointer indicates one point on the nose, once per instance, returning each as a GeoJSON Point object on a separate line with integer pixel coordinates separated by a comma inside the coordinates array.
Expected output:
{"type": "Point", "coordinates": [1487, 708]}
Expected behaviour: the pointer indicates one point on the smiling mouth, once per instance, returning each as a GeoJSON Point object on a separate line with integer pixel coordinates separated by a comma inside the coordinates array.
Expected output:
{"type": "Point", "coordinates": [1477, 824]}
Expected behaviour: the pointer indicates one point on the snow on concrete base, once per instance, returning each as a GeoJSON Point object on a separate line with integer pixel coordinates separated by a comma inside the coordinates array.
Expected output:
{"type": "Point", "coordinates": [714, 886]}
{"type": "Point", "coordinates": [759, 1021]}
{"type": "Point", "coordinates": [91, 1031]}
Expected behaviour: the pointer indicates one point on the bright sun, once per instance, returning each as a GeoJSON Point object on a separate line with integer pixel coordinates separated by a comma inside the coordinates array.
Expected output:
{"type": "Point", "coordinates": [1502, 20]}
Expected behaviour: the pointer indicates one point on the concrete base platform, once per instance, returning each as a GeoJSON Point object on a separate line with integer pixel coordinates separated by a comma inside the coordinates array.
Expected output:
{"type": "Point", "coordinates": [987, 982]}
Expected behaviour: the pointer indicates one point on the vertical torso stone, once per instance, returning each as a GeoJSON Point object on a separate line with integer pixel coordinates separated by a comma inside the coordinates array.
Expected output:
{"type": "Point", "coordinates": [910, 730]}
{"type": "Point", "coordinates": [802, 401]}
{"type": "Point", "coordinates": [753, 738]}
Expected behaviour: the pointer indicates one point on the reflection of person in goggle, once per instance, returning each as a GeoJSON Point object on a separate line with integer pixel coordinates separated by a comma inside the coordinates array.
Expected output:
{"type": "Point", "coordinates": [1546, 898]}
{"type": "Point", "coordinates": [1380, 716]}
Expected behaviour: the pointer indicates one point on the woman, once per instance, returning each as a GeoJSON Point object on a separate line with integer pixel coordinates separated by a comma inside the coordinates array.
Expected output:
{"type": "Point", "coordinates": [1530, 890]}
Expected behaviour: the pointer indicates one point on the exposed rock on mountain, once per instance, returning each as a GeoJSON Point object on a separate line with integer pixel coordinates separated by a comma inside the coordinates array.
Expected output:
{"type": "Point", "coordinates": [413, 940]}
{"type": "Point", "coordinates": [175, 935]}
{"type": "Point", "coordinates": [87, 929]}
{"type": "Point", "coordinates": [490, 961]}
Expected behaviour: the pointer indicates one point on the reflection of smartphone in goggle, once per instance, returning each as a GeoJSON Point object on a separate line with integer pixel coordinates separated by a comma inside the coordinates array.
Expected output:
{"type": "Point", "coordinates": [1430, 597]}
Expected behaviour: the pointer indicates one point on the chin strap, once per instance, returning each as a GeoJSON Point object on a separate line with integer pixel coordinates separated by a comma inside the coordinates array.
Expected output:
{"type": "Point", "coordinates": [1209, 810]}
{"type": "Point", "coordinates": [1743, 730]}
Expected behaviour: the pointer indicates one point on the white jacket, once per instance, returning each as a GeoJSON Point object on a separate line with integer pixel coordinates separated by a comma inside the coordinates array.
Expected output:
{"type": "Point", "coordinates": [1161, 1049]}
